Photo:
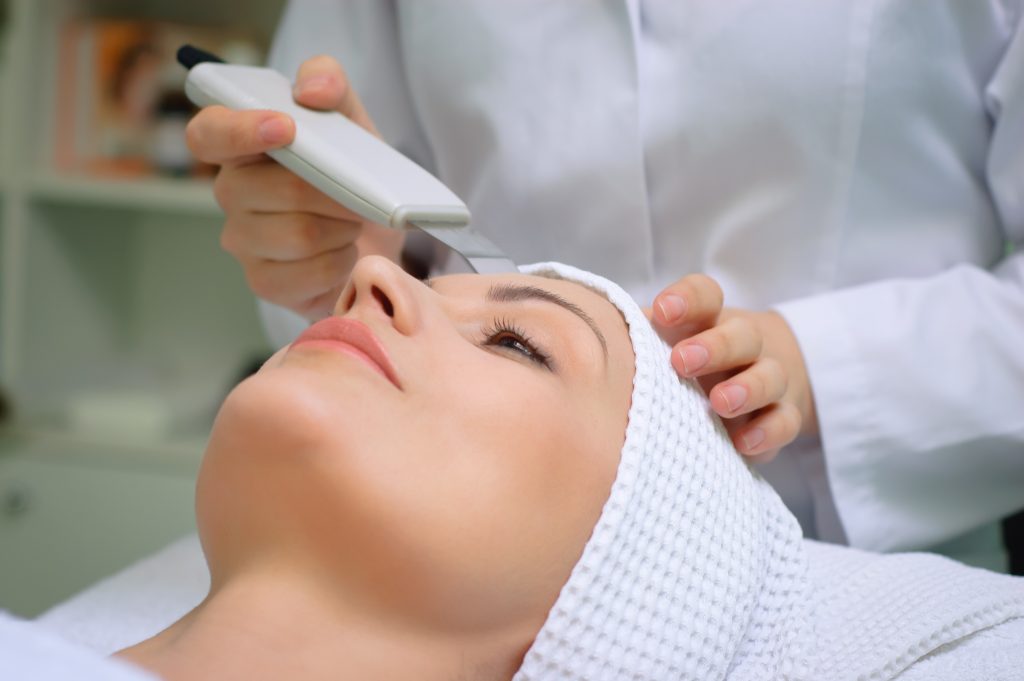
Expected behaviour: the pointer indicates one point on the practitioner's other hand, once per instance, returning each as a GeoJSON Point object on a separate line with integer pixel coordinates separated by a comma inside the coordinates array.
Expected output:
{"type": "Point", "coordinates": [749, 363]}
{"type": "Point", "coordinates": [296, 245]}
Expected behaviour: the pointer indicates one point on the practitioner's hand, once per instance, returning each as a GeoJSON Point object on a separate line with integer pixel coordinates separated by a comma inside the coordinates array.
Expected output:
{"type": "Point", "coordinates": [749, 363]}
{"type": "Point", "coordinates": [296, 245]}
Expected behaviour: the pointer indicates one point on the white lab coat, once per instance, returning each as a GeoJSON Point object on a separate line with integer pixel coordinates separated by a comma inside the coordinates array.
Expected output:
{"type": "Point", "coordinates": [859, 166]}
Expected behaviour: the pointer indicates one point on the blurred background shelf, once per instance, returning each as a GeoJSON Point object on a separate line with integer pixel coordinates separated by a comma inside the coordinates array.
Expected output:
{"type": "Point", "coordinates": [192, 197]}
{"type": "Point", "coordinates": [66, 522]}
{"type": "Point", "coordinates": [122, 323]}
{"type": "Point", "coordinates": [178, 454]}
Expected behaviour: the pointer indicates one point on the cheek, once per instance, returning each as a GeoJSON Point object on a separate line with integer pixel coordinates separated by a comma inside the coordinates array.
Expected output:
{"type": "Point", "coordinates": [508, 484]}
{"type": "Point", "coordinates": [262, 482]}
{"type": "Point", "coordinates": [501, 423]}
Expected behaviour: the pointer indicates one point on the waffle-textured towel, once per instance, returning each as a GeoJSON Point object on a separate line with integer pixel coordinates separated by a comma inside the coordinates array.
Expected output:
{"type": "Point", "coordinates": [696, 570]}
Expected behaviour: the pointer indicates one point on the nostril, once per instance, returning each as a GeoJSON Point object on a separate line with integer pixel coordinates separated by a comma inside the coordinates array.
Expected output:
{"type": "Point", "coordinates": [350, 300]}
{"type": "Point", "coordinates": [384, 301]}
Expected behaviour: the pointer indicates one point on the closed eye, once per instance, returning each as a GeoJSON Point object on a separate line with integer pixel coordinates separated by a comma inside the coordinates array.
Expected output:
{"type": "Point", "coordinates": [506, 335]}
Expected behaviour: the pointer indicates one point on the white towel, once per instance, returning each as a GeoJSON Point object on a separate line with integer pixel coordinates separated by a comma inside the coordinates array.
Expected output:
{"type": "Point", "coordinates": [137, 602]}
{"type": "Point", "coordinates": [913, 616]}
{"type": "Point", "coordinates": [143, 599]}
{"type": "Point", "coordinates": [695, 570]}
{"type": "Point", "coordinates": [31, 653]}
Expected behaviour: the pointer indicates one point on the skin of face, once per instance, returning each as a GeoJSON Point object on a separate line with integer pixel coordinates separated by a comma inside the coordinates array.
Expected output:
{"type": "Point", "coordinates": [458, 500]}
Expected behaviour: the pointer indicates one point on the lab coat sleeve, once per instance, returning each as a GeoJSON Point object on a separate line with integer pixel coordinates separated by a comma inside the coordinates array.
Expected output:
{"type": "Point", "coordinates": [919, 384]}
{"type": "Point", "coordinates": [363, 35]}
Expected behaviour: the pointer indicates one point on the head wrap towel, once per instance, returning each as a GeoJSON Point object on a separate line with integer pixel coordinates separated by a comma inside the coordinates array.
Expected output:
{"type": "Point", "coordinates": [696, 570]}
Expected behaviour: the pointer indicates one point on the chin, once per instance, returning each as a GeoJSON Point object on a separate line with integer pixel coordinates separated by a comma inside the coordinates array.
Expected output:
{"type": "Point", "coordinates": [257, 486]}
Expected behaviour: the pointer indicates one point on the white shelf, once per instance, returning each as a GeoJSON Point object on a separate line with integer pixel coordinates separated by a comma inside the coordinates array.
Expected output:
{"type": "Point", "coordinates": [192, 197]}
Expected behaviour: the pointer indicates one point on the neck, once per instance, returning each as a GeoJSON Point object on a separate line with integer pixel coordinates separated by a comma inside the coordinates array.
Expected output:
{"type": "Point", "coordinates": [273, 624]}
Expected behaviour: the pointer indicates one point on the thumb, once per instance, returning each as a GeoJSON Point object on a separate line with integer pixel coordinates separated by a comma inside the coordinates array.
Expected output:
{"type": "Point", "coordinates": [322, 84]}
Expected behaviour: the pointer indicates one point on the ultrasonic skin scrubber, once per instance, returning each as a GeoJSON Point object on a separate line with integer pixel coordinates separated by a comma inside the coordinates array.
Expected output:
{"type": "Point", "coordinates": [341, 159]}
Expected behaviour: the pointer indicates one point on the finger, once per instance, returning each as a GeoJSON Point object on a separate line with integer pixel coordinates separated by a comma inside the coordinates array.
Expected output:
{"type": "Point", "coordinates": [321, 83]}
{"type": "Point", "coordinates": [733, 343]}
{"type": "Point", "coordinates": [285, 236]}
{"type": "Point", "coordinates": [298, 284]}
{"type": "Point", "coordinates": [219, 135]}
{"type": "Point", "coordinates": [268, 187]}
{"type": "Point", "coordinates": [763, 436]}
{"type": "Point", "coordinates": [688, 306]}
{"type": "Point", "coordinates": [323, 305]}
{"type": "Point", "coordinates": [756, 387]}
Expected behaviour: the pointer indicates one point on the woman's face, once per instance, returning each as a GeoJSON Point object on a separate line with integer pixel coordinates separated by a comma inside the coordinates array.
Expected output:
{"type": "Point", "coordinates": [454, 473]}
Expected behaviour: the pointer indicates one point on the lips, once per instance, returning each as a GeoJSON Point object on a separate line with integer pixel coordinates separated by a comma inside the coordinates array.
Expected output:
{"type": "Point", "coordinates": [352, 337]}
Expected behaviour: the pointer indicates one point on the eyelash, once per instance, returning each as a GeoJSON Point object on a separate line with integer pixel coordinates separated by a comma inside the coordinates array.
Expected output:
{"type": "Point", "coordinates": [502, 329]}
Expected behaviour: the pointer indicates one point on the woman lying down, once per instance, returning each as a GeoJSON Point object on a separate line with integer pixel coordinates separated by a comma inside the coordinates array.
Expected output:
{"type": "Point", "coordinates": [501, 477]}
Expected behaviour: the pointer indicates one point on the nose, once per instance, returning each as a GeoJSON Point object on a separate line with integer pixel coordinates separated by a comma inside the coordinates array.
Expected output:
{"type": "Point", "coordinates": [380, 287]}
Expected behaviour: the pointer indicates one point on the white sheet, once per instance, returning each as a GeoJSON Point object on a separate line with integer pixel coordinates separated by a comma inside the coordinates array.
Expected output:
{"type": "Point", "coordinates": [135, 603]}
{"type": "Point", "coordinates": [28, 651]}
{"type": "Point", "coordinates": [148, 596]}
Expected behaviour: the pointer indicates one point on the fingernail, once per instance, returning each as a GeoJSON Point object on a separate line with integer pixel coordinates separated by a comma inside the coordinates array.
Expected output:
{"type": "Point", "coordinates": [274, 130]}
{"type": "Point", "coordinates": [310, 84]}
{"type": "Point", "coordinates": [752, 438]}
{"type": "Point", "coordinates": [672, 307]}
{"type": "Point", "coordinates": [734, 395]}
{"type": "Point", "coordinates": [694, 357]}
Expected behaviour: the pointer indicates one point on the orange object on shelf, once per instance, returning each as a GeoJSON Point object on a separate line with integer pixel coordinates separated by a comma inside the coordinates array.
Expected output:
{"type": "Point", "coordinates": [121, 109]}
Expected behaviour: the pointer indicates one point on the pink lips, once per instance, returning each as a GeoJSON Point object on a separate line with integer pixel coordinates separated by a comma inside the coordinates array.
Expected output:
{"type": "Point", "coordinates": [351, 337]}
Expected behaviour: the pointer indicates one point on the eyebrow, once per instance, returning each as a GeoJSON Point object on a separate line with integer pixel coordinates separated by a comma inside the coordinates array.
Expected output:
{"type": "Point", "coordinates": [513, 293]}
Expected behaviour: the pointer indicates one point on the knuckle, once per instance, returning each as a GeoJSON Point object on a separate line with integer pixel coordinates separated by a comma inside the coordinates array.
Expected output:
{"type": "Point", "coordinates": [322, 62]}
{"type": "Point", "coordinates": [305, 234]}
{"type": "Point", "coordinates": [709, 289]}
{"type": "Point", "coordinates": [346, 260]}
{"type": "Point", "coordinates": [721, 350]}
{"type": "Point", "coordinates": [748, 329]}
{"type": "Point", "coordinates": [309, 307]}
{"type": "Point", "coordinates": [741, 335]}
{"type": "Point", "coordinates": [775, 376]}
{"type": "Point", "coordinates": [194, 135]}
{"type": "Point", "coordinates": [796, 418]}
{"type": "Point", "coordinates": [776, 369]}
{"type": "Point", "coordinates": [330, 269]}
{"type": "Point", "coordinates": [322, 65]}
{"type": "Point", "coordinates": [229, 238]}
{"type": "Point", "coordinates": [239, 137]}
{"type": "Point", "coordinates": [790, 422]}
{"type": "Point", "coordinates": [740, 325]}
{"type": "Point", "coordinates": [757, 385]}
{"type": "Point", "coordinates": [223, 189]}
{"type": "Point", "coordinates": [294, 191]}
{"type": "Point", "coordinates": [261, 282]}
{"type": "Point", "coordinates": [723, 345]}
{"type": "Point", "coordinates": [319, 305]}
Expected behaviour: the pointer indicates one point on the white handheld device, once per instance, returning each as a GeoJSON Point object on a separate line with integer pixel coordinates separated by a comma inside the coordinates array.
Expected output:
{"type": "Point", "coordinates": [344, 161]}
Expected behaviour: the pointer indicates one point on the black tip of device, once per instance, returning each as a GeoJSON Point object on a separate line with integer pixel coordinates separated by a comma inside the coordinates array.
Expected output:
{"type": "Point", "coordinates": [189, 56]}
